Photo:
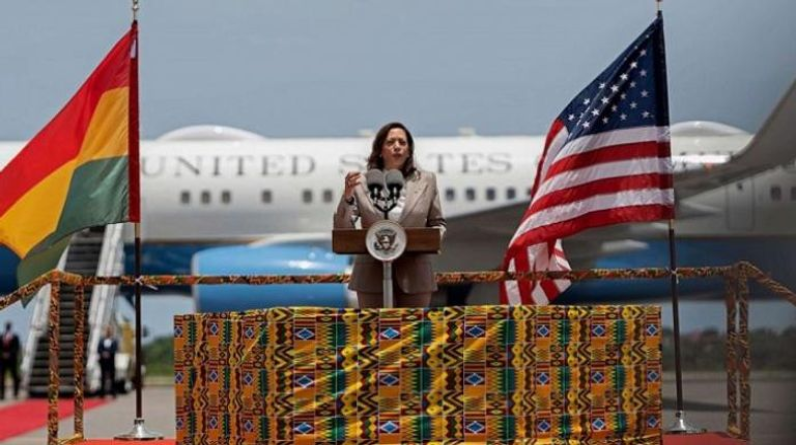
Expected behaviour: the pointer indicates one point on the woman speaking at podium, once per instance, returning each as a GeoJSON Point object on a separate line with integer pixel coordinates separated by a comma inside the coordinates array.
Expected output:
{"type": "Point", "coordinates": [417, 206]}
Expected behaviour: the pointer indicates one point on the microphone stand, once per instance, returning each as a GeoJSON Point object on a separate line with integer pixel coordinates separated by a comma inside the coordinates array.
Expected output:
{"type": "Point", "coordinates": [386, 204]}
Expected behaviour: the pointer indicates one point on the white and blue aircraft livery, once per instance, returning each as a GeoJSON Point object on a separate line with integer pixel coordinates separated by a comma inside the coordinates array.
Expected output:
{"type": "Point", "coordinates": [223, 201]}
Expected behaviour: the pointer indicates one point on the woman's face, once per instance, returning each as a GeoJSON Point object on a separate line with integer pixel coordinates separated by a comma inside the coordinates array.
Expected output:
{"type": "Point", "coordinates": [395, 150]}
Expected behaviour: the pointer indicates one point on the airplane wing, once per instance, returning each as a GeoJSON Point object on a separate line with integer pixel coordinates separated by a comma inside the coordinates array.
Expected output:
{"type": "Point", "coordinates": [477, 241]}
{"type": "Point", "coordinates": [772, 146]}
{"type": "Point", "coordinates": [490, 231]}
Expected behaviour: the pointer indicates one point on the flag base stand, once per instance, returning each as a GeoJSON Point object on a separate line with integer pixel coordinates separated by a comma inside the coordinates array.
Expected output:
{"type": "Point", "coordinates": [681, 426]}
{"type": "Point", "coordinates": [139, 432]}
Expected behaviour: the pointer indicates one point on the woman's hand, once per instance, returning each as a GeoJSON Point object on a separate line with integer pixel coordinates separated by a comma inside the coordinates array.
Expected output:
{"type": "Point", "coordinates": [351, 181]}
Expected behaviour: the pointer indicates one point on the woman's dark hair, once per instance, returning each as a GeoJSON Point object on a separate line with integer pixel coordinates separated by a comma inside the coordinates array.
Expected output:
{"type": "Point", "coordinates": [376, 161]}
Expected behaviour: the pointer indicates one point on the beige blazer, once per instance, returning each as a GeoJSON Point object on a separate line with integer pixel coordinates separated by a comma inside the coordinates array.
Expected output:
{"type": "Point", "coordinates": [411, 272]}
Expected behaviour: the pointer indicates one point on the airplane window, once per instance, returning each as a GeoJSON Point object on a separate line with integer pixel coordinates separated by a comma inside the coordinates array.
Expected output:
{"type": "Point", "coordinates": [470, 194]}
{"type": "Point", "coordinates": [450, 194]}
{"type": "Point", "coordinates": [776, 193]}
{"type": "Point", "coordinates": [511, 193]}
{"type": "Point", "coordinates": [266, 197]}
{"type": "Point", "coordinates": [793, 193]}
{"type": "Point", "coordinates": [490, 194]}
{"type": "Point", "coordinates": [226, 197]}
{"type": "Point", "coordinates": [327, 195]}
{"type": "Point", "coordinates": [205, 197]}
{"type": "Point", "coordinates": [185, 197]}
{"type": "Point", "coordinates": [306, 196]}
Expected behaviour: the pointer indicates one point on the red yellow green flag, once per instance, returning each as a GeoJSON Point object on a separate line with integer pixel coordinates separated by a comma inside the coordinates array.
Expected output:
{"type": "Point", "coordinates": [79, 171]}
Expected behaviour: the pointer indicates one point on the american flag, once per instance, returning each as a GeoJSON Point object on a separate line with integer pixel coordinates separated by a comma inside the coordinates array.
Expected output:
{"type": "Point", "coordinates": [606, 161]}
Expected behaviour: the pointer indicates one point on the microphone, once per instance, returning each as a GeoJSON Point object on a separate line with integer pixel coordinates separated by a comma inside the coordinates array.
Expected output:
{"type": "Point", "coordinates": [375, 181]}
{"type": "Point", "coordinates": [394, 180]}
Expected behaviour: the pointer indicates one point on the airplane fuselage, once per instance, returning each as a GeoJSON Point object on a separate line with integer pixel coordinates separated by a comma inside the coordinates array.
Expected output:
{"type": "Point", "coordinates": [251, 189]}
{"type": "Point", "coordinates": [197, 194]}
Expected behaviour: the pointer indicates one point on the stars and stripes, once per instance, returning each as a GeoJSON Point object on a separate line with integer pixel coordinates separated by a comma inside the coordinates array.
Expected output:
{"type": "Point", "coordinates": [606, 161]}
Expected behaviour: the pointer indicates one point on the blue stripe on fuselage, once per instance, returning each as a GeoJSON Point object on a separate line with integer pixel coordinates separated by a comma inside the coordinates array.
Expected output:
{"type": "Point", "coordinates": [164, 258]}
{"type": "Point", "coordinates": [8, 270]}
{"type": "Point", "coordinates": [774, 255]}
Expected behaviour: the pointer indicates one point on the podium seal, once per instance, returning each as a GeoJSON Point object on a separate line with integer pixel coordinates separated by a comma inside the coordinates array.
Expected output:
{"type": "Point", "coordinates": [386, 240]}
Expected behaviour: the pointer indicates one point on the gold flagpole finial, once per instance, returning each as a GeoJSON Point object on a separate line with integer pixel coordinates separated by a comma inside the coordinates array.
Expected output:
{"type": "Point", "coordinates": [135, 10]}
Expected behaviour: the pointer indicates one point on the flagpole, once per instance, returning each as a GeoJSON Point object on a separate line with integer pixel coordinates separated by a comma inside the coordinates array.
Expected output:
{"type": "Point", "coordinates": [139, 406]}
{"type": "Point", "coordinates": [139, 431]}
{"type": "Point", "coordinates": [680, 425]}
{"type": "Point", "coordinates": [676, 317]}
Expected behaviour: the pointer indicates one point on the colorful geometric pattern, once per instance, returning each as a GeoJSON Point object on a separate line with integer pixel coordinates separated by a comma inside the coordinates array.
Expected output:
{"type": "Point", "coordinates": [480, 374]}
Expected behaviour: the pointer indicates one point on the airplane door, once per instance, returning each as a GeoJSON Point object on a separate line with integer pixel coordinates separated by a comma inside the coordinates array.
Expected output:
{"type": "Point", "coordinates": [741, 205]}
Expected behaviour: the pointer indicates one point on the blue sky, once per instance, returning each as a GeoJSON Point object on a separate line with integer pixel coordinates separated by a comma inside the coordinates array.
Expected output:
{"type": "Point", "coordinates": [333, 67]}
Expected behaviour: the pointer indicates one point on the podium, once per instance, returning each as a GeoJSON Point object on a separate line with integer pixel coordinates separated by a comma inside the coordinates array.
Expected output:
{"type": "Point", "coordinates": [386, 241]}
{"type": "Point", "coordinates": [419, 240]}
{"type": "Point", "coordinates": [473, 374]}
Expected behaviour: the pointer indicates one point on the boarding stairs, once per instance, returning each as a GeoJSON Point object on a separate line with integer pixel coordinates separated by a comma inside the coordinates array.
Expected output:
{"type": "Point", "coordinates": [93, 251]}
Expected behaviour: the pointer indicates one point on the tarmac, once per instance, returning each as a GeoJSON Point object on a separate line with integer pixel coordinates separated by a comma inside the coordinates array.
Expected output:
{"type": "Point", "coordinates": [773, 417]}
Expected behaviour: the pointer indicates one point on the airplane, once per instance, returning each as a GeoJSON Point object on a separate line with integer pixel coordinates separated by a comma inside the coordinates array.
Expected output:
{"type": "Point", "coordinates": [219, 200]}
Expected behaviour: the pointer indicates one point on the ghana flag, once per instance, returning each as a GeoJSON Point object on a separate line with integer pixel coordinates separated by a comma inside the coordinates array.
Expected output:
{"type": "Point", "coordinates": [79, 171]}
